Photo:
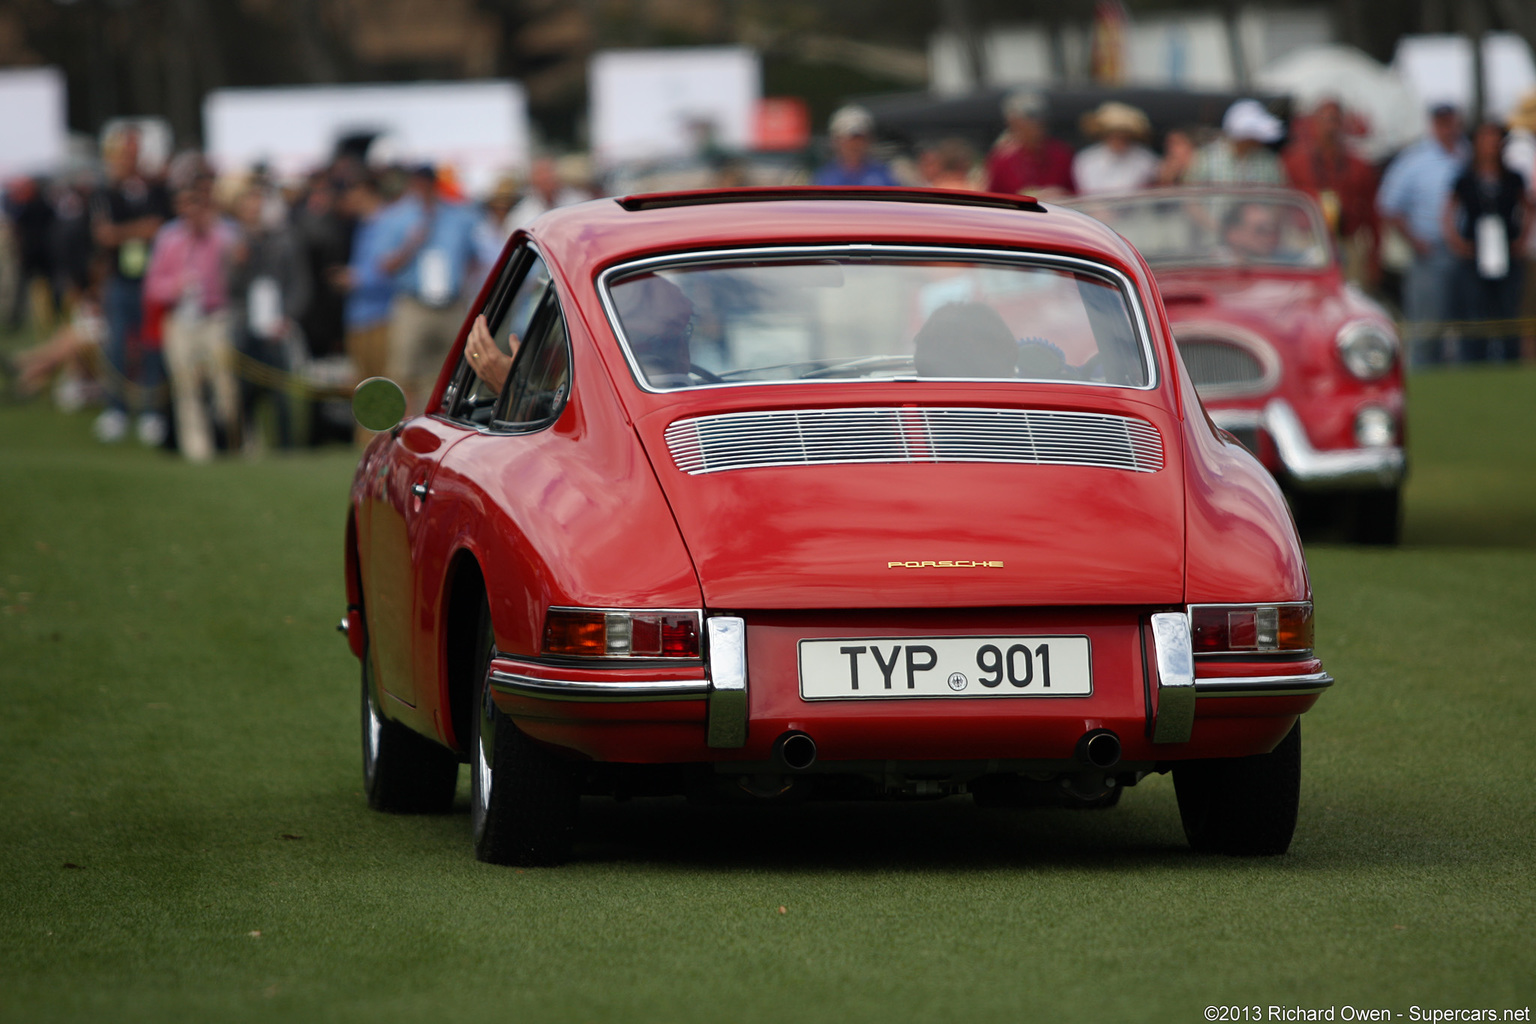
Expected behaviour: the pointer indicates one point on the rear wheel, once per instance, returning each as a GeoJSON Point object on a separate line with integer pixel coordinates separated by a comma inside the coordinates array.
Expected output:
{"type": "Point", "coordinates": [402, 771]}
{"type": "Point", "coordinates": [523, 799]}
{"type": "Point", "coordinates": [1245, 806]}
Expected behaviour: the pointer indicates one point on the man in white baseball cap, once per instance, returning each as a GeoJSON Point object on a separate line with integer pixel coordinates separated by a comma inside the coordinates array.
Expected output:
{"type": "Point", "coordinates": [1242, 155]}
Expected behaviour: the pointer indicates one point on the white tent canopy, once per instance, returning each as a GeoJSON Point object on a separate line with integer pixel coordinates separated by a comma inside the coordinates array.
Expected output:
{"type": "Point", "coordinates": [1369, 90]}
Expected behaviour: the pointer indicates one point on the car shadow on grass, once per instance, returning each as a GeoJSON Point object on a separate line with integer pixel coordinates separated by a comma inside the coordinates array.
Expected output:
{"type": "Point", "coordinates": [845, 836]}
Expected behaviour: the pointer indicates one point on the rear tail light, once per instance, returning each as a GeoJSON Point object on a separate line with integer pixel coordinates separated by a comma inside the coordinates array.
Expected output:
{"type": "Point", "coordinates": [1251, 628]}
{"type": "Point", "coordinates": [602, 633]}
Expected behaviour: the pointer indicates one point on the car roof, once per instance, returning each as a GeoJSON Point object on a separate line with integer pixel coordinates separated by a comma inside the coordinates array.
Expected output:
{"type": "Point", "coordinates": [598, 234]}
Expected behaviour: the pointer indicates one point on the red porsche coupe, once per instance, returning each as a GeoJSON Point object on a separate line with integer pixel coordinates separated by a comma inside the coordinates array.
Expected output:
{"type": "Point", "coordinates": [828, 492]}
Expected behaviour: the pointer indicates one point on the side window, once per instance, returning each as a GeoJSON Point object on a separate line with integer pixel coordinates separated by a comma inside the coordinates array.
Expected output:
{"type": "Point", "coordinates": [509, 315]}
{"type": "Point", "coordinates": [541, 377]}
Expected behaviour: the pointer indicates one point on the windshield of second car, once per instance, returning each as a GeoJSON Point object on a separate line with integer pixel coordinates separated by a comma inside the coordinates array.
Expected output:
{"type": "Point", "coordinates": [861, 317]}
{"type": "Point", "coordinates": [1216, 228]}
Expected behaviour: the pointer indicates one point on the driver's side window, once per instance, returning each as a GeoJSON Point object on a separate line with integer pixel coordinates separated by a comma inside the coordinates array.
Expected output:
{"type": "Point", "coordinates": [509, 315]}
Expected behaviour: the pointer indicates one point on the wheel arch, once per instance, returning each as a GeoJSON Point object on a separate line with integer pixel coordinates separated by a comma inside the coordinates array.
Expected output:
{"type": "Point", "coordinates": [464, 598]}
{"type": "Point", "coordinates": [357, 619]}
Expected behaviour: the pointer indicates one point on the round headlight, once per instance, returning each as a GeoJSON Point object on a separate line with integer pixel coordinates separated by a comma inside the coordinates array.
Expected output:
{"type": "Point", "coordinates": [1368, 349]}
{"type": "Point", "coordinates": [1374, 427]}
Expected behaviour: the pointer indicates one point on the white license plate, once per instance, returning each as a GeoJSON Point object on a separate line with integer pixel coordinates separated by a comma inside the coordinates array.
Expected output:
{"type": "Point", "coordinates": [946, 666]}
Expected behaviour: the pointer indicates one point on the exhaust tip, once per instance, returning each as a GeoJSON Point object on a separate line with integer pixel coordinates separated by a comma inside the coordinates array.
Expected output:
{"type": "Point", "coordinates": [795, 750]}
{"type": "Point", "coordinates": [1099, 748]}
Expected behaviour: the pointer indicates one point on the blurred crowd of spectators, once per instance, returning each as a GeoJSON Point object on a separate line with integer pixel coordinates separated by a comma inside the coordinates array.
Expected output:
{"type": "Point", "coordinates": [1464, 209]}
{"type": "Point", "coordinates": [183, 300]}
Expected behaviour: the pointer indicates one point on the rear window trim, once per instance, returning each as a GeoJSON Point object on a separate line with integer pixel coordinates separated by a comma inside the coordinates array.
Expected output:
{"type": "Point", "coordinates": [1011, 257]}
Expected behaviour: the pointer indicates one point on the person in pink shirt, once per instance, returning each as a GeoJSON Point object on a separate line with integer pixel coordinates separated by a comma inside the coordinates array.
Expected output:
{"type": "Point", "coordinates": [186, 276]}
{"type": "Point", "coordinates": [1026, 159]}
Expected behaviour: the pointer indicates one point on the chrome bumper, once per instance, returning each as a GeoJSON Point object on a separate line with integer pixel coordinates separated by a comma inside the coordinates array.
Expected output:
{"type": "Point", "coordinates": [1264, 686]}
{"type": "Point", "coordinates": [1174, 718]}
{"type": "Point", "coordinates": [1178, 688]}
{"type": "Point", "coordinates": [598, 689]}
{"type": "Point", "coordinates": [1306, 466]}
{"type": "Point", "coordinates": [725, 688]}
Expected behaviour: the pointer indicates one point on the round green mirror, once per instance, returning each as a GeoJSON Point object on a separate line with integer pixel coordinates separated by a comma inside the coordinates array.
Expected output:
{"type": "Point", "coordinates": [378, 404]}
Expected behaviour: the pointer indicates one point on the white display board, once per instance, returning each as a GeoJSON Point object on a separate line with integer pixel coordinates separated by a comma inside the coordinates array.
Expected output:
{"type": "Point", "coordinates": [480, 129]}
{"type": "Point", "coordinates": [1509, 72]}
{"type": "Point", "coordinates": [649, 104]}
{"type": "Point", "coordinates": [34, 135]}
{"type": "Point", "coordinates": [1439, 70]}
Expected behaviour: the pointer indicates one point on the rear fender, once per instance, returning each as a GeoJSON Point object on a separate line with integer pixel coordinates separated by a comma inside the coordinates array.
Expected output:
{"type": "Point", "coordinates": [1241, 543]}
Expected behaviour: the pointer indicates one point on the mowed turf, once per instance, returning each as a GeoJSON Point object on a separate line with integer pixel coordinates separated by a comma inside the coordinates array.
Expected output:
{"type": "Point", "coordinates": [183, 836]}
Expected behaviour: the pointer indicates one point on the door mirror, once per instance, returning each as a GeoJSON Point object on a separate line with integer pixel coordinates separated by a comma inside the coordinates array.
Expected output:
{"type": "Point", "coordinates": [378, 404]}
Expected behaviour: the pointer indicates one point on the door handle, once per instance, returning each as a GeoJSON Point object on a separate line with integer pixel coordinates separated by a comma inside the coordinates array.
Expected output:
{"type": "Point", "coordinates": [420, 490]}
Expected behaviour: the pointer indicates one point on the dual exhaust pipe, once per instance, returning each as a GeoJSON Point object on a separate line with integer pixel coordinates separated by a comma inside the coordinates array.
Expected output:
{"type": "Point", "coordinates": [795, 750]}
{"type": "Point", "coordinates": [1098, 748]}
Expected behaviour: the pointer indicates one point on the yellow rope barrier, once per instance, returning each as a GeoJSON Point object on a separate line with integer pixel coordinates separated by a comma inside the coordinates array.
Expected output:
{"type": "Point", "coordinates": [1515, 327]}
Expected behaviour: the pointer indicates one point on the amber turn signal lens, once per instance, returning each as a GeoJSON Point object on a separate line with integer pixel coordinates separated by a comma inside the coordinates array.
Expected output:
{"type": "Point", "coordinates": [580, 634]}
{"type": "Point", "coordinates": [1251, 628]}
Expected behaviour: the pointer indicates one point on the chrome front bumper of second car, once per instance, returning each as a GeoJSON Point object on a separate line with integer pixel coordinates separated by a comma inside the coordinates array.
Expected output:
{"type": "Point", "coordinates": [1308, 467]}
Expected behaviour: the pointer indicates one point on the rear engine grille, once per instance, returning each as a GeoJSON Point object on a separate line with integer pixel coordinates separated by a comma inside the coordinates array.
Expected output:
{"type": "Point", "coordinates": [1221, 364]}
{"type": "Point", "coordinates": [819, 437]}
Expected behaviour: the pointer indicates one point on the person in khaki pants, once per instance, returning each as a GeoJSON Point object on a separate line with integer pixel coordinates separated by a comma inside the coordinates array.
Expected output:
{"type": "Point", "coordinates": [186, 276]}
{"type": "Point", "coordinates": [368, 288]}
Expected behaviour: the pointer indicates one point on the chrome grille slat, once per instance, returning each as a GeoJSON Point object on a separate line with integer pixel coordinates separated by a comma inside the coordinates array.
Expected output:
{"type": "Point", "coordinates": [806, 437]}
{"type": "Point", "coordinates": [1216, 362]}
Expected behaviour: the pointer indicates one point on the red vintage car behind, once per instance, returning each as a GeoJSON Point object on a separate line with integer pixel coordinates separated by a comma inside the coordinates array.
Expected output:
{"type": "Point", "coordinates": [1304, 368]}
{"type": "Point", "coordinates": [842, 493]}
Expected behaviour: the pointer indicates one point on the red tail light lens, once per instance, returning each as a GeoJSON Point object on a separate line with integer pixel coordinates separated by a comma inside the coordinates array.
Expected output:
{"type": "Point", "coordinates": [593, 633]}
{"type": "Point", "coordinates": [1251, 628]}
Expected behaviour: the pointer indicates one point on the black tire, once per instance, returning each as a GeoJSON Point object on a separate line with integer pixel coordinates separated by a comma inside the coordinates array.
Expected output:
{"type": "Point", "coordinates": [1375, 517]}
{"type": "Point", "coordinates": [403, 772]}
{"type": "Point", "coordinates": [523, 799]}
{"type": "Point", "coordinates": [1243, 806]}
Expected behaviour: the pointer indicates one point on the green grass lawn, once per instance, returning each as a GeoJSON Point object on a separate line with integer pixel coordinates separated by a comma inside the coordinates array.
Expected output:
{"type": "Point", "coordinates": [183, 836]}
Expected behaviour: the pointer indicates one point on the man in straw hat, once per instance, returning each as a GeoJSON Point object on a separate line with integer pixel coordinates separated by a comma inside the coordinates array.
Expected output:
{"type": "Point", "coordinates": [1118, 162]}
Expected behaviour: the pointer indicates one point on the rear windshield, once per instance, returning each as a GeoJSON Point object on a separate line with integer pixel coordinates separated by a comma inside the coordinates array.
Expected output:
{"type": "Point", "coordinates": [846, 317]}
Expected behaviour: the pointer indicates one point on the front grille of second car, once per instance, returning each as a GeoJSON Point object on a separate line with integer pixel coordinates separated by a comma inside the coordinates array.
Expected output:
{"type": "Point", "coordinates": [806, 437]}
{"type": "Point", "coordinates": [1213, 363]}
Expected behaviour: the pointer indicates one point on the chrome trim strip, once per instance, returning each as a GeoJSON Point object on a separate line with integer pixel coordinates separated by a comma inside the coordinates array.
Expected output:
{"type": "Point", "coordinates": [599, 689]}
{"type": "Point", "coordinates": [1127, 287]}
{"type": "Point", "coordinates": [1264, 686]}
{"type": "Point", "coordinates": [728, 712]}
{"type": "Point", "coordinates": [1308, 467]}
{"type": "Point", "coordinates": [1174, 719]}
{"type": "Point", "coordinates": [632, 611]}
